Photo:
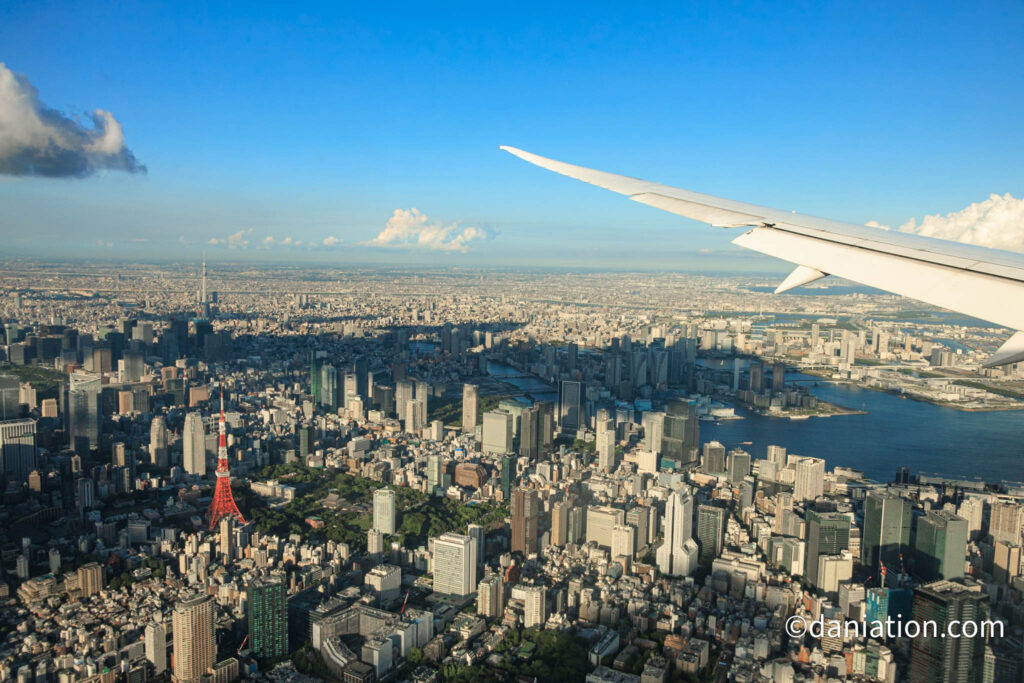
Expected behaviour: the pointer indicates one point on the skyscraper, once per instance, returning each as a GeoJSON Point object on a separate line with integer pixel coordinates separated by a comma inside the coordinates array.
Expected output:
{"type": "Point", "coordinates": [404, 392]}
{"type": "Point", "coordinates": [711, 531]}
{"type": "Point", "coordinates": [490, 601]}
{"type": "Point", "coordinates": [156, 645]}
{"type": "Point", "coordinates": [535, 612]}
{"type": "Point", "coordinates": [713, 461]}
{"type": "Point", "coordinates": [193, 441]}
{"type": "Point", "coordinates": [737, 465]}
{"type": "Point", "coordinates": [158, 452]}
{"type": "Point", "coordinates": [454, 565]}
{"type": "Point", "coordinates": [886, 530]}
{"type": "Point", "coordinates": [810, 478]}
{"type": "Point", "coordinates": [601, 520]}
{"type": "Point", "coordinates": [525, 515]}
{"type": "Point", "coordinates": [194, 646]}
{"type": "Point", "coordinates": [934, 657]}
{"type": "Point", "coordinates": [1005, 522]}
{"type": "Point", "coordinates": [268, 617]}
{"type": "Point", "coordinates": [570, 408]}
{"type": "Point", "coordinates": [677, 556]}
{"type": "Point", "coordinates": [682, 433]}
{"type": "Point", "coordinates": [508, 476]}
{"type": "Point", "coordinates": [82, 410]}
{"type": "Point", "coordinates": [497, 432]}
{"type": "Point", "coordinates": [385, 514]}
{"type": "Point", "coordinates": [529, 433]}
{"type": "Point", "coordinates": [941, 545]}
{"type": "Point", "coordinates": [17, 449]}
{"type": "Point", "coordinates": [828, 533]}
{"type": "Point", "coordinates": [623, 541]}
{"type": "Point", "coordinates": [654, 431]}
{"type": "Point", "coordinates": [470, 400]}
{"type": "Point", "coordinates": [559, 522]}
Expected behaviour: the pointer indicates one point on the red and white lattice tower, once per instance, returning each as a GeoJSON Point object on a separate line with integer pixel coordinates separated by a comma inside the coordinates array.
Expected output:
{"type": "Point", "coordinates": [223, 504]}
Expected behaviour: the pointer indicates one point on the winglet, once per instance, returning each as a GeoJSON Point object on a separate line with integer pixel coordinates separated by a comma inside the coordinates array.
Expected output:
{"type": "Point", "coordinates": [802, 275]}
{"type": "Point", "coordinates": [1012, 351]}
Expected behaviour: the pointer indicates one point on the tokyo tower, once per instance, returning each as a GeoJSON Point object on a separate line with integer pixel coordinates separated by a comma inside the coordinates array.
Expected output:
{"type": "Point", "coordinates": [223, 504]}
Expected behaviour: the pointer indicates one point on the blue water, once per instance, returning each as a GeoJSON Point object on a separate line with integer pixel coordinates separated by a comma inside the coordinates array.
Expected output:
{"type": "Point", "coordinates": [894, 432]}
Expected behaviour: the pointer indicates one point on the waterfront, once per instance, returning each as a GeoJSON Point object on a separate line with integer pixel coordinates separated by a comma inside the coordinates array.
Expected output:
{"type": "Point", "coordinates": [893, 432]}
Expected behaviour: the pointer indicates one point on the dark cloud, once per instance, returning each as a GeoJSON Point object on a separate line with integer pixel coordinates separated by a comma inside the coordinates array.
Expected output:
{"type": "Point", "coordinates": [38, 141]}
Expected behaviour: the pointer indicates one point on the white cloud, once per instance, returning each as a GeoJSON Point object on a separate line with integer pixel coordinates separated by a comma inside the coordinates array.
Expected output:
{"type": "Point", "coordinates": [269, 239]}
{"type": "Point", "coordinates": [37, 140]}
{"type": "Point", "coordinates": [996, 222]}
{"type": "Point", "coordinates": [331, 241]}
{"type": "Point", "coordinates": [412, 229]}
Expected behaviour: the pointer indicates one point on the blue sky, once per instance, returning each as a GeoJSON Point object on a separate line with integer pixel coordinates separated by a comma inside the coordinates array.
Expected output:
{"type": "Point", "coordinates": [319, 123]}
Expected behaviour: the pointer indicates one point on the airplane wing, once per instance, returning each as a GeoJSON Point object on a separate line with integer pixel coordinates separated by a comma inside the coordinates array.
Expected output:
{"type": "Point", "coordinates": [976, 281]}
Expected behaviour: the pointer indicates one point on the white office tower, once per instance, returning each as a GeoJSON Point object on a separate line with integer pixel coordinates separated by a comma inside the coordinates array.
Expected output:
{"type": "Point", "coordinates": [384, 511]}
{"type": "Point", "coordinates": [470, 400]}
{"type": "Point", "coordinates": [606, 447]}
{"type": "Point", "coordinates": [809, 483]}
{"type": "Point", "coordinates": [623, 541]}
{"type": "Point", "coordinates": [193, 440]}
{"type": "Point", "coordinates": [498, 432]}
{"type": "Point", "coordinates": [535, 608]}
{"type": "Point", "coordinates": [454, 565]}
{"type": "Point", "coordinates": [158, 442]}
{"type": "Point", "coordinates": [678, 555]}
{"type": "Point", "coordinates": [654, 431]}
{"type": "Point", "coordinates": [156, 645]}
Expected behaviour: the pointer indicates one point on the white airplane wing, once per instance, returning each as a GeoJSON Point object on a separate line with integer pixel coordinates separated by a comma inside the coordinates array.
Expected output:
{"type": "Point", "coordinates": [976, 281]}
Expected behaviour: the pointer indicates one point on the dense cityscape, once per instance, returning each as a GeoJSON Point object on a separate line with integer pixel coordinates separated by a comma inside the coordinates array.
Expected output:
{"type": "Point", "coordinates": [219, 472]}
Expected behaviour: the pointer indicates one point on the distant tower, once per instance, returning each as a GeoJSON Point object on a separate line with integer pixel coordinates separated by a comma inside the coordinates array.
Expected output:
{"type": "Point", "coordinates": [223, 504]}
{"type": "Point", "coordinates": [204, 298]}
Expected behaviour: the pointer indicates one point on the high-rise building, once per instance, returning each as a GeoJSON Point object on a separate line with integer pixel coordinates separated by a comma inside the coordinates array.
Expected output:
{"type": "Point", "coordinates": [713, 460]}
{"type": "Point", "coordinates": [711, 531]}
{"type": "Point", "coordinates": [570, 407]}
{"type": "Point", "coordinates": [535, 606]}
{"type": "Point", "coordinates": [82, 409]}
{"type": "Point", "coordinates": [809, 478]}
{"type": "Point", "coordinates": [435, 470]}
{"type": "Point", "coordinates": [404, 392]}
{"type": "Point", "coordinates": [940, 545]}
{"type": "Point", "coordinates": [385, 511]}
{"type": "Point", "coordinates": [677, 556]}
{"type": "Point", "coordinates": [681, 438]}
{"type": "Point", "coordinates": [737, 465]}
{"type": "Point", "coordinates": [508, 476]}
{"type": "Point", "coordinates": [654, 431]}
{"type": "Point", "coordinates": [623, 541]}
{"type": "Point", "coordinates": [756, 377]}
{"type": "Point", "coordinates": [828, 533]}
{"type": "Point", "coordinates": [490, 597]}
{"type": "Point", "coordinates": [497, 432]}
{"type": "Point", "coordinates": [90, 579]}
{"type": "Point", "coordinates": [529, 433]}
{"type": "Point", "coordinates": [193, 440]}
{"type": "Point", "coordinates": [194, 646]}
{"type": "Point", "coordinates": [17, 449]}
{"type": "Point", "coordinates": [777, 455]}
{"type": "Point", "coordinates": [934, 657]}
{"type": "Point", "coordinates": [600, 522]}
{"type": "Point", "coordinates": [454, 565]}
{"type": "Point", "coordinates": [1006, 562]}
{"type": "Point", "coordinates": [470, 409]}
{"type": "Point", "coordinates": [266, 604]}
{"type": "Point", "coordinates": [778, 378]}
{"type": "Point", "coordinates": [886, 531]}
{"type": "Point", "coordinates": [525, 515]}
{"type": "Point", "coordinates": [559, 522]}
{"type": "Point", "coordinates": [156, 645]}
{"type": "Point", "coordinates": [1005, 522]}
{"type": "Point", "coordinates": [158, 451]}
